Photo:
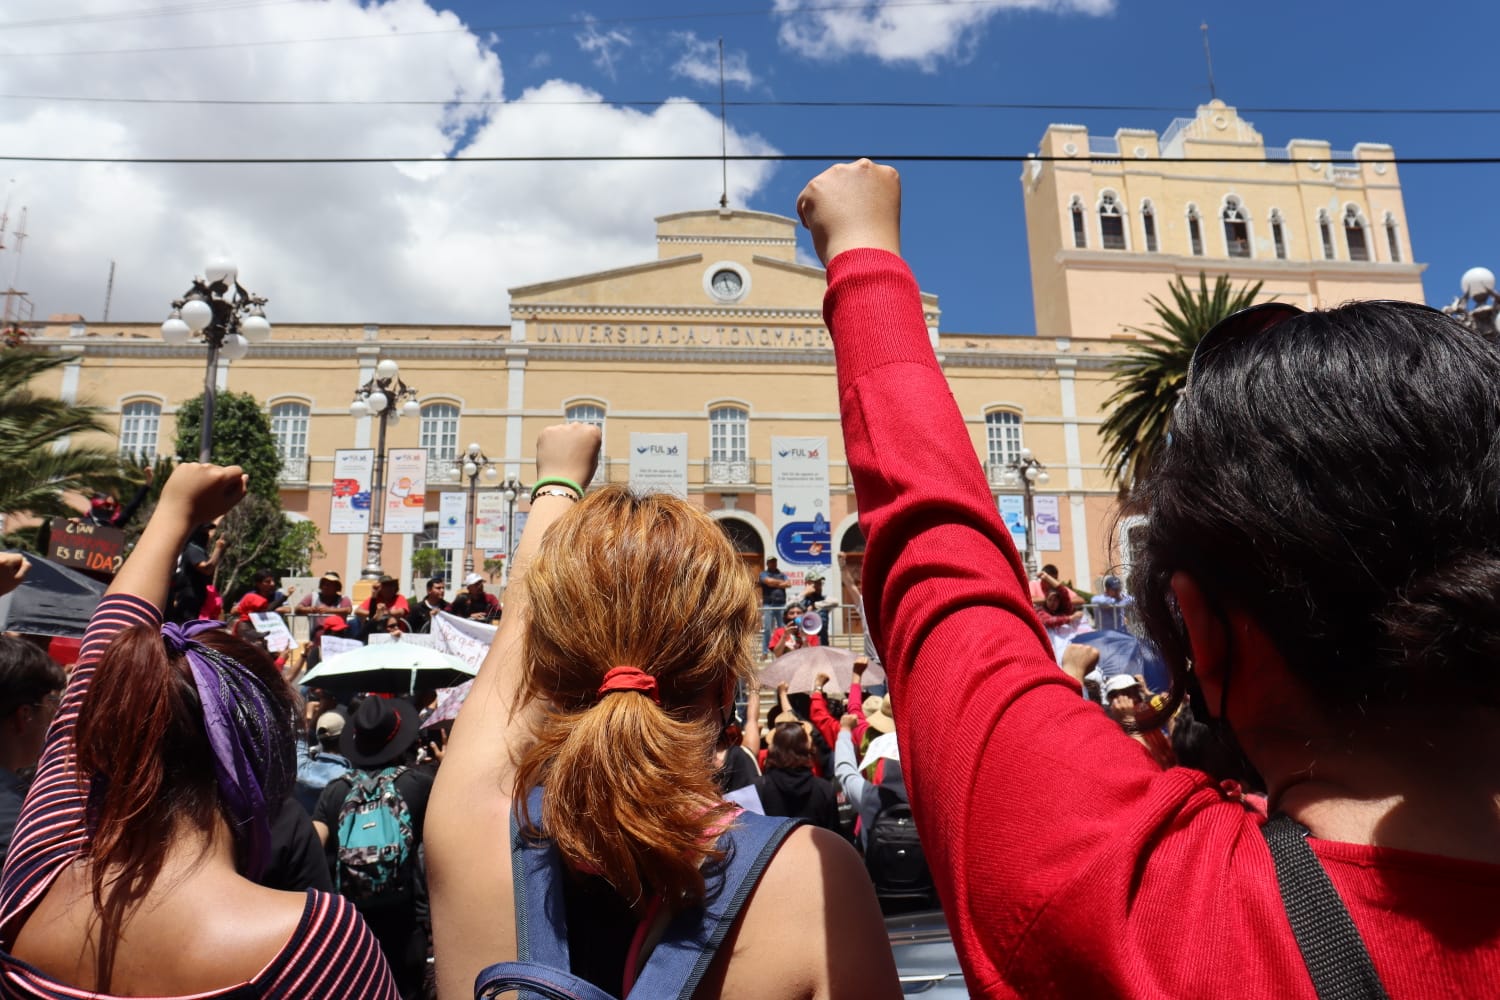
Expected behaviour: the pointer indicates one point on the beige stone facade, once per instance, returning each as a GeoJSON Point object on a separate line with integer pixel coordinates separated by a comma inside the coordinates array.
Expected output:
{"type": "Point", "coordinates": [1105, 233]}
{"type": "Point", "coordinates": [725, 322]}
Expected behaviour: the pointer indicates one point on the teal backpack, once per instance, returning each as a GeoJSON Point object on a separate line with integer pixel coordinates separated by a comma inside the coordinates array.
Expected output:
{"type": "Point", "coordinates": [376, 842]}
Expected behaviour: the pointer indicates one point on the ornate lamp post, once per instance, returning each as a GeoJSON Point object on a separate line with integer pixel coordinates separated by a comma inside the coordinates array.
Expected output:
{"type": "Point", "coordinates": [1478, 288]}
{"type": "Point", "coordinates": [228, 318]}
{"type": "Point", "coordinates": [1026, 472]}
{"type": "Point", "coordinates": [511, 490]}
{"type": "Point", "coordinates": [470, 464]}
{"type": "Point", "coordinates": [386, 398]}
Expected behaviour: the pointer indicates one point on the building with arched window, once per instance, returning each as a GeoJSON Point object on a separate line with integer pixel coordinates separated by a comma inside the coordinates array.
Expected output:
{"type": "Point", "coordinates": [1099, 288]}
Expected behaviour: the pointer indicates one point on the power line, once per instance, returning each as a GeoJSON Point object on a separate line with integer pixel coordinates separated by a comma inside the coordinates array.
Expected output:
{"type": "Point", "coordinates": [739, 157]}
{"type": "Point", "coordinates": [658, 102]}
{"type": "Point", "coordinates": [528, 26]}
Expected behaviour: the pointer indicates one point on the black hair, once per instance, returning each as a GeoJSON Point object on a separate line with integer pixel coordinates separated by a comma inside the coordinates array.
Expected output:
{"type": "Point", "coordinates": [1050, 570]}
{"type": "Point", "coordinates": [27, 675]}
{"type": "Point", "coordinates": [261, 576]}
{"type": "Point", "coordinates": [434, 581]}
{"type": "Point", "coordinates": [1337, 478]}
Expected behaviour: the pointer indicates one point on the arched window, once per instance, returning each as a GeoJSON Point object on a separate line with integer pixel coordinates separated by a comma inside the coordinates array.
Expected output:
{"type": "Point", "coordinates": [1002, 432]}
{"type": "Point", "coordinates": [289, 431]}
{"type": "Point", "coordinates": [1236, 228]}
{"type": "Point", "coordinates": [438, 433]}
{"type": "Point", "coordinates": [1278, 233]}
{"type": "Point", "coordinates": [1392, 238]}
{"type": "Point", "coordinates": [1080, 227]}
{"type": "Point", "coordinates": [729, 445]}
{"type": "Point", "coordinates": [1111, 222]}
{"type": "Point", "coordinates": [593, 414]}
{"type": "Point", "coordinates": [1325, 229]}
{"type": "Point", "coordinates": [1354, 234]}
{"type": "Point", "coordinates": [1148, 223]}
{"type": "Point", "coordinates": [1195, 230]}
{"type": "Point", "coordinates": [140, 425]}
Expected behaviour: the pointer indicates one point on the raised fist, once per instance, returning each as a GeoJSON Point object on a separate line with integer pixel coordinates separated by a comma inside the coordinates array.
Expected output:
{"type": "Point", "coordinates": [852, 205]}
{"type": "Point", "coordinates": [568, 451]}
{"type": "Point", "coordinates": [203, 493]}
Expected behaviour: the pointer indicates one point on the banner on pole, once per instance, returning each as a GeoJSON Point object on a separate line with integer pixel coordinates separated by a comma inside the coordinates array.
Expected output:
{"type": "Point", "coordinates": [453, 516]}
{"type": "Point", "coordinates": [1048, 523]}
{"type": "Point", "coordinates": [489, 520]}
{"type": "Point", "coordinates": [349, 510]}
{"type": "Point", "coordinates": [799, 495]}
{"type": "Point", "coordinates": [658, 463]}
{"type": "Point", "coordinates": [1013, 513]}
{"type": "Point", "coordinates": [406, 491]}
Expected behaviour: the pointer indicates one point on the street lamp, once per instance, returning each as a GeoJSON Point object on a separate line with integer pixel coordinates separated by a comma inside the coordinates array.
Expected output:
{"type": "Point", "coordinates": [386, 398]}
{"type": "Point", "coordinates": [1026, 472]}
{"type": "Point", "coordinates": [470, 464]}
{"type": "Point", "coordinates": [511, 491]}
{"type": "Point", "coordinates": [1478, 287]}
{"type": "Point", "coordinates": [228, 318]}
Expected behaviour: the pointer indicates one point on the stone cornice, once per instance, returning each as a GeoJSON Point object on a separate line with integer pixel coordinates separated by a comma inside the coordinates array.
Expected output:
{"type": "Point", "coordinates": [1238, 267]}
{"type": "Point", "coordinates": [539, 312]}
{"type": "Point", "coordinates": [739, 241]}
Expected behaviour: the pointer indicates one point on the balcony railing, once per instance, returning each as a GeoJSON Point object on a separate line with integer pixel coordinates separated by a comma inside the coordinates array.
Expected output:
{"type": "Point", "coordinates": [996, 472]}
{"type": "Point", "coordinates": [293, 469]}
{"type": "Point", "coordinates": [441, 470]}
{"type": "Point", "coordinates": [729, 471]}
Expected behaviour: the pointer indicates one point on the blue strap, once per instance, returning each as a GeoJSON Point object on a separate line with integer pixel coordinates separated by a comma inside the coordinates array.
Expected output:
{"type": "Point", "coordinates": [677, 964]}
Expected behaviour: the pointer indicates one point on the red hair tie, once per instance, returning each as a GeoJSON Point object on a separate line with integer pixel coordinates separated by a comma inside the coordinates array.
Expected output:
{"type": "Point", "coordinates": [629, 679]}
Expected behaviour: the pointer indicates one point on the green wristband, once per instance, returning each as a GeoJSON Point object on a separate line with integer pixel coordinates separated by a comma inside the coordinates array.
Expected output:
{"type": "Point", "coordinates": [557, 481]}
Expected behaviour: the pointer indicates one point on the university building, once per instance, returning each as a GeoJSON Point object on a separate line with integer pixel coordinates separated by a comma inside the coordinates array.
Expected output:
{"type": "Point", "coordinates": [721, 336]}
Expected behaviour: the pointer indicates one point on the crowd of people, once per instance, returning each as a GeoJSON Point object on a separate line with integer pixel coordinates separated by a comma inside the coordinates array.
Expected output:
{"type": "Point", "coordinates": [1305, 807]}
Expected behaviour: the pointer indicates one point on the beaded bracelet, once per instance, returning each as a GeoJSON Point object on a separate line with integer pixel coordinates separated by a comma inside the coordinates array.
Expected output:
{"type": "Point", "coordinates": [557, 481]}
{"type": "Point", "coordinates": [552, 491]}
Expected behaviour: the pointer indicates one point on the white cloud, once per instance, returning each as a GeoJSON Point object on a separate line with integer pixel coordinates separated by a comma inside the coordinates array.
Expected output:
{"type": "Point", "coordinates": [604, 46]}
{"type": "Point", "coordinates": [902, 32]}
{"type": "Point", "coordinates": [428, 243]}
{"type": "Point", "coordinates": [699, 62]}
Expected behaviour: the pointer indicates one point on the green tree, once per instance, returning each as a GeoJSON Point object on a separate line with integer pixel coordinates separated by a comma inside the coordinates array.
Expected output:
{"type": "Point", "coordinates": [1152, 374]}
{"type": "Point", "coordinates": [36, 474]}
{"type": "Point", "coordinates": [258, 533]}
{"type": "Point", "coordinates": [242, 436]}
{"type": "Point", "coordinates": [427, 562]}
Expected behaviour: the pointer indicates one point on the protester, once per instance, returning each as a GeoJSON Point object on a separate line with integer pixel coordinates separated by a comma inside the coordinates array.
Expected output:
{"type": "Point", "coordinates": [1321, 529]}
{"type": "Point", "coordinates": [813, 599]}
{"type": "Point", "coordinates": [31, 687]}
{"type": "Point", "coordinates": [773, 584]}
{"type": "Point", "coordinates": [886, 829]}
{"type": "Point", "coordinates": [263, 597]}
{"type": "Point", "coordinates": [329, 602]}
{"type": "Point", "coordinates": [420, 616]}
{"type": "Point", "coordinates": [475, 602]}
{"type": "Point", "coordinates": [131, 872]}
{"type": "Point", "coordinates": [193, 575]}
{"type": "Point", "coordinates": [788, 786]}
{"type": "Point", "coordinates": [790, 635]}
{"type": "Point", "coordinates": [610, 709]}
{"type": "Point", "coordinates": [319, 761]}
{"type": "Point", "coordinates": [370, 822]}
{"type": "Point", "coordinates": [384, 602]}
{"type": "Point", "coordinates": [1060, 620]}
{"type": "Point", "coordinates": [105, 509]}
{"type": "Point", "coordinates": [1125, 700]}
{"type": "Point", "coordinates": [1113, 608]}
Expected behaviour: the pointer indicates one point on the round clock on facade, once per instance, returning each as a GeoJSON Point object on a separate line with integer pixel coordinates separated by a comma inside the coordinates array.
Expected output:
{"type": "Point", "coordinates": [727, 284]}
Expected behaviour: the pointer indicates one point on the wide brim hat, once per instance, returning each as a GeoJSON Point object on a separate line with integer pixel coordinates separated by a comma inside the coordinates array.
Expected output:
{"type": "Point", "coordinates": [381, 730]}
{"type": "Point", "coordinates": [881, 720]}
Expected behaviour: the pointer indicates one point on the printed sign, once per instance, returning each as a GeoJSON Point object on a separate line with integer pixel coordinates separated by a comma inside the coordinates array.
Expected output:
{"type": "Point", "coordinates": [658, 463]}
{"type": "Point", "coordinates": [1013, 513]}
{"type": "Point", "coordinates": [92, 548]}
{"type": "Point", "coordinates": [406, 491]}
{"type": "Point", "coordinates": [799, 496]}
{"type": "Point", "coordinates": [453, 515]}
{"type": "Point", "coordinates": [1048, 524]}
{"type": "Point", "coordinates": [349, 510]}
{"type": "Point", "coordinates": [274, 628]}
{"type": "Point", "coordinates": [489, 520]}
{"type": "Point", "coordinates": [333, 645]}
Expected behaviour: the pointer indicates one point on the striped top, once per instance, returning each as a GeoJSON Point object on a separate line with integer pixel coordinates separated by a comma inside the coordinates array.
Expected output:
{"type": "Point", "coordinates": [332, 954]}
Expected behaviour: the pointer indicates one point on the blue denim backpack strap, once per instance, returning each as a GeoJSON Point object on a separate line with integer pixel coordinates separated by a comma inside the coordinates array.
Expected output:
{"type": "Point", "coordinates": [679, 961]}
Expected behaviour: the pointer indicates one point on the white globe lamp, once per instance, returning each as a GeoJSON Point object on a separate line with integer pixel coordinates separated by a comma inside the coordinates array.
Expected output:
{"type": "Point", "coordinates": [221, 269]}
{"type": "Point", "coordinates": [1478, 282]}
{"type": "Point", "coordinates": [412, 408]}
{"type": "Point", "coordinates": [197, 314]}
{"type": "Point", "coordinates": [234, 347]}
{"type": "Point", "coordinates": [387, 369]}
{"type": "Point", "coordinates": [256, 328]}
{"type": "Point", "coordinates": [377, 402]}
{"type": "Point", "coordinates": [471, 470]}
{"type": "Point", "coordinates": [174, 331]}
{"type": "Point", "coordinates": [359, 409]}
{"type": "Point", "coordinates": [1031, 473]}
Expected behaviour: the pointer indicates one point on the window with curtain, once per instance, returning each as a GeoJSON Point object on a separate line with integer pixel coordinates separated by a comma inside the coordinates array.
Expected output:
{"type": "Point", "coordinates": [1236, 228]}
{"type": "Point", "coordinates": [438, 432]}
{"type": "Point", "coordinates": [140, 425]}
{"type": "Point", "coordinates": [289, 428]}
{"type": "Point", "coordinates": [1111, 222]}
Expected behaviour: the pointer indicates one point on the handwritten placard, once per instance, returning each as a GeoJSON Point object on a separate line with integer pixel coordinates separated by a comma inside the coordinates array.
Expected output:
{"type": "Point", "coordinates": [93, 548]}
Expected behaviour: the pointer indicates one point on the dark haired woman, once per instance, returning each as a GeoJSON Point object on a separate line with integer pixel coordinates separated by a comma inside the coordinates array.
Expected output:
{"type": "Point", "coordinates": [1323, 549]}
{"type": "Point", "coordinates": [593, 724]}
{"type": "Point", "coordinates": [131, 869]}
{"type": "Point", "coordinates": [788, 787]}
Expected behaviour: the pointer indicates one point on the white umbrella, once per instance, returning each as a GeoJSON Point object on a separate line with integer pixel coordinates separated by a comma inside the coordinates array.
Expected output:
{"type": "Point", "coordinates": [881, 746]}
{"type": "Point", "coordinates": [391, 667]}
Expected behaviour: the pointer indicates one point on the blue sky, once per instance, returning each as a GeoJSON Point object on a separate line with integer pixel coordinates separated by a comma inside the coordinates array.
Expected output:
{"type": "Point", "coordinates": [964, 230]}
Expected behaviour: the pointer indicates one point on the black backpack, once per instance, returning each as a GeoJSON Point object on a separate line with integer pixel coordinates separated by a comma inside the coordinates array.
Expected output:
{"type": "Point", "coordinates": [893, 853]}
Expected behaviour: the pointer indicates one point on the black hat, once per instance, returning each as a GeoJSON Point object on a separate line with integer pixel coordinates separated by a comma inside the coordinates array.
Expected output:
{"type": "Point", "coordinates": [381, 730]}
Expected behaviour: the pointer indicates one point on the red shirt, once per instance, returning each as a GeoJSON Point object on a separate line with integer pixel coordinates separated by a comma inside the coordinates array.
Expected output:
{"type": "Point", "coordinates": [1068, 862]}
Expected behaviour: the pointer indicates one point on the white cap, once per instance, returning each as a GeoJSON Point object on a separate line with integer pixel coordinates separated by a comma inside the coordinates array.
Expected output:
{"type": "Point", "coordinates": [1120, 682]}
{"type": "Point", "coordinates": [472, 579]}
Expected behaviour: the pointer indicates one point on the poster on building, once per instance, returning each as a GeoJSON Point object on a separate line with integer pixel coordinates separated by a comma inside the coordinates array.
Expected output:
{"type": "Point", "coordinates": [406, 491]}
{"type": "Point", "coordinates": [1048, 525]}
{"type": "Point", "coordinates": [453, 516]}
{"type": "Point", "coordinates": [489, 520]}
{"type": "Point", "coordinates": [349, 511]}
{"type": "Point", "coordinates": [799, 496]}
{"type": "Point", "coordinates": [658, 463]}
{"type": "Point", "coordinates": [1013, 513]}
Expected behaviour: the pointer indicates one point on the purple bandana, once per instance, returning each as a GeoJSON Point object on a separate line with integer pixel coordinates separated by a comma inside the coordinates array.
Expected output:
{"type": "Point", "coordinates": [251, 751]}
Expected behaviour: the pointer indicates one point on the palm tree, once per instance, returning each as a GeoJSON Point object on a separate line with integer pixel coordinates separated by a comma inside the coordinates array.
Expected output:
{"type": "Point", "coordinates": [36, 474]}
{"type": "Point", "coordinates": [1151, 376]}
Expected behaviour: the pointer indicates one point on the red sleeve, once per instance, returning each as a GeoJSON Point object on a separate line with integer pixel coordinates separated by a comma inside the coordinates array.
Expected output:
{"type": "Point", "coordinates": [857, 707]}
{"type": "Point", "coordinates": [1049, 620]}
{"type": "Point", "coordinates": [1020, 787]}
{"type": "Point", "coordinates": [823, 719]}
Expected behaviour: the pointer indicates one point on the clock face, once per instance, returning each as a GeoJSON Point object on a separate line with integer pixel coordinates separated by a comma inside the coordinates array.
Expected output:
{"type": "Point", "coordinates": [727, 284]}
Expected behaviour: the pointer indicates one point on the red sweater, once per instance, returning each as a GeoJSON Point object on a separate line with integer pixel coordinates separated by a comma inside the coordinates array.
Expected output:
{"type": "Point", "coordinates": [1069, 863]}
